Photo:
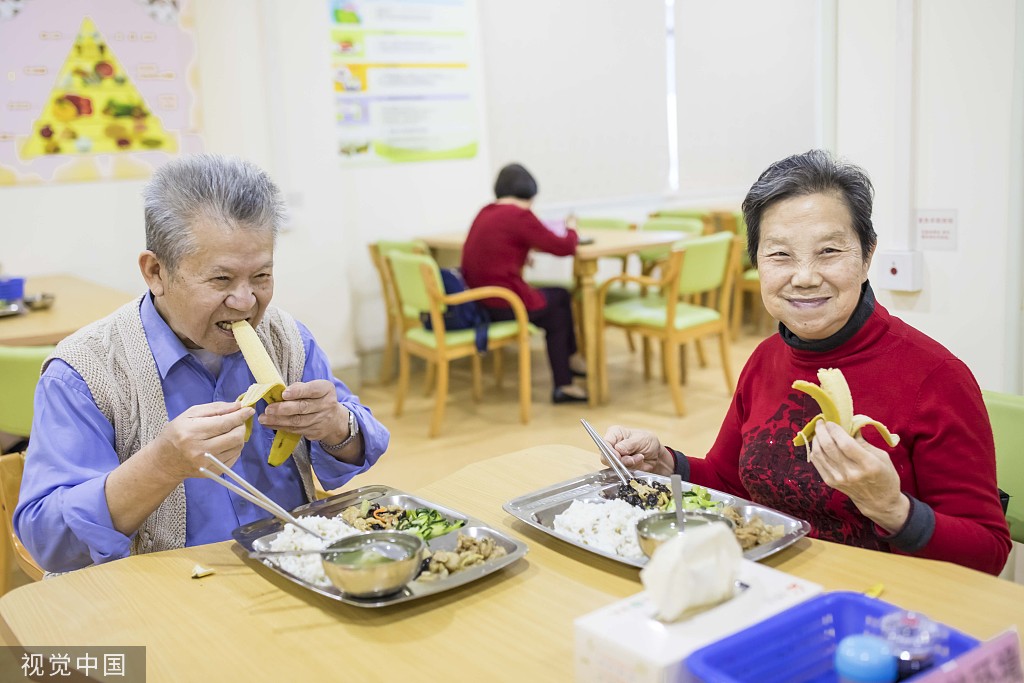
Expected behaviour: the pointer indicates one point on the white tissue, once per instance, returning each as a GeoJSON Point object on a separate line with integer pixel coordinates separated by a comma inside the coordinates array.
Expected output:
{"type": "Point", "coordinates": [692, 569]}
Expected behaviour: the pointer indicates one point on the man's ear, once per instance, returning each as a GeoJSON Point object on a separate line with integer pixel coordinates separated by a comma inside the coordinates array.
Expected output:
{"type": "Point", "coordinates": [153, 272]}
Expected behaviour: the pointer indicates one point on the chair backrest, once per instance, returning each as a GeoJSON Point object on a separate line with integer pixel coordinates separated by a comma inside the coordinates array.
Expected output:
{"type": "Point", "coordinates": [378, 253]}
{"type": "Point", "coordinates": [691, 225]}
{"type": "Point", "coordinates": [599, 223]}
{"type": "Point", "coordinates": [1006, 413]}
{"type": "Point", "coordinates": [12, 466]}
{"type": "Point", "coordinates": [705, 262]}
{"type": "Point", "coordinates": [407, 271]}
{"type": "Point", "coordinates": [19, 368]}
{"type": "Point", "coordinates": [741, 232]}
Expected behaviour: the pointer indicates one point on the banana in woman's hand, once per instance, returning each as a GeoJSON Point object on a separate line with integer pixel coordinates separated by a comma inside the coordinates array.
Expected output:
{"type": "Point", "coordinates": [836, 403]}
{"type": "Point", "coordinates": [269, 386]}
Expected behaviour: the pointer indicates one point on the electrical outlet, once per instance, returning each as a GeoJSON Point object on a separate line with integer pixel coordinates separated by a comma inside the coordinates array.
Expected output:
{"type": "Point", "coordinates": [899, 271]}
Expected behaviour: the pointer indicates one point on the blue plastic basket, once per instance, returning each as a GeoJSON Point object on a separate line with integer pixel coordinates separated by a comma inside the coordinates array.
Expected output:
{"type": "Point", "coordinates": [12, 288]}
{"type": "Point", "coordinates": [799, 644]}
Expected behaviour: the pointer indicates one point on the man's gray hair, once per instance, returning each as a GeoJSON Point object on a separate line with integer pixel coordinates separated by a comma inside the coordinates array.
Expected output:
{"type": "Point", "coordinates": [812, 172]}
{"type": "Point", "coordinates": [232, 192]}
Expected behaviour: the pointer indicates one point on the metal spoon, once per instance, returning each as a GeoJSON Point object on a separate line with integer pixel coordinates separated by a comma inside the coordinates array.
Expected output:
{"type": "Point", "coordinates": [677, 499]}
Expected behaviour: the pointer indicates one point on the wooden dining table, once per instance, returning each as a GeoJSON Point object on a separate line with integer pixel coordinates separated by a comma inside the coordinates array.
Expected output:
{"type": "Point", "coordinates": [601, 244]}
{"type": "Point", "coordinates": [247, 623]}
{"type": "Point", "coordinates": [77, 302]}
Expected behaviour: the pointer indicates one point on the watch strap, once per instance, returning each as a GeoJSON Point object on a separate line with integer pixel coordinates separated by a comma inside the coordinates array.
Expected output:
{"type": "Point", "coordinates": [353, 432]}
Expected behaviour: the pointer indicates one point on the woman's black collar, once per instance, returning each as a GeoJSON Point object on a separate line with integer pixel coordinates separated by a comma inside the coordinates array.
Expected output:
{"type": "Point", "coordinates": [864, 309]}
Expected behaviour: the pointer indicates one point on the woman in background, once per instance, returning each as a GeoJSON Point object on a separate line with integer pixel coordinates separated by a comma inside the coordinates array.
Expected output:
{"type": "Point", "coordinates": [495, 253]}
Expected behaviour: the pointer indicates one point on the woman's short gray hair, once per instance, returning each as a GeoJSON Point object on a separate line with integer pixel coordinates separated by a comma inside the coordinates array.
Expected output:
{"type": "Point", "coordinates": [812, 172]}
{"type": "Point", "coordinates": [229, 191]}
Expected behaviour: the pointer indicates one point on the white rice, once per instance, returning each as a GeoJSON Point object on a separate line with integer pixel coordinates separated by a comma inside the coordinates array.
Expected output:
{"type": "Point", "coordinates": [609, 526]}
{"type": "Point", "coordinates": [309, 567]}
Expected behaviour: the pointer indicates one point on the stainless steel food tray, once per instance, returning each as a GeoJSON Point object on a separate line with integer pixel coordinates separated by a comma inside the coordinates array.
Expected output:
{"type": "Point", "coordinates": [539, 509]}
{"type": "Point", "coordinates": [258, 536]}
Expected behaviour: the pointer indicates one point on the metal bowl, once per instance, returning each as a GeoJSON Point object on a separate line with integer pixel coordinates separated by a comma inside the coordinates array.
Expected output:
{"type": "Point", "coordinates": [38, 302]}
{"type": "Point", "coordinates": [374, 563]}
{"type": "Point", "coordinates": [655, 529]}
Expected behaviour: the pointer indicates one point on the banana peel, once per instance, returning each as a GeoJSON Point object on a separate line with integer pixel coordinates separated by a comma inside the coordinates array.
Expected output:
{"type": "Point", "coordinates": [269, 387]}
{"type": "Point", "coordinates": [833, 396]}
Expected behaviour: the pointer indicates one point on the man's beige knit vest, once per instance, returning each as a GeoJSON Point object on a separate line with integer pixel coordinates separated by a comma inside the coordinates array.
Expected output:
{"type": "Point", "coordinates": [113, 357]}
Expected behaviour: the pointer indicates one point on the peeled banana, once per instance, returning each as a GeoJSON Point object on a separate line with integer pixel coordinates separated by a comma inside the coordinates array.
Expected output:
{"type": "Point", "coordinates": [836, 403]}
{"type": "Point", "coordinates": [269, 386]}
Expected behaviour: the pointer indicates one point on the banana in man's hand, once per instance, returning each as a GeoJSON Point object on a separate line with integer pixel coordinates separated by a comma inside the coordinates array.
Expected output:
{"type": "Point", "coordinates": [836, 403]}
{"type": "Point", "coordinates": [269, 386]}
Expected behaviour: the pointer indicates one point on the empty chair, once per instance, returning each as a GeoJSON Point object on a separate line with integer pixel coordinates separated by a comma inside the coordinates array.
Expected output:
{"type": "Point", "coordinates": [701, 268]}
{"type": "Point", "coordinates": [602, 223]}
{"type": "Point", "coordinates": [650, 258]}
{"type": "Point", "coordinates": [396, 322]}
{"type": "Point", "coordinates": [1006, 412]}
{"type": "Point", "coordinates": [12, 465]}
{"type": "Point", "coordinates": [19, 367]}
{"type": "Point", "coordinates": [418, 286]}
{"type": "Point", "coordinates": [748, 281]}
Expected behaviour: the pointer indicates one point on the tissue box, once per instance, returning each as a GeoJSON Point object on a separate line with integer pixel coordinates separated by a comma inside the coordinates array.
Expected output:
{"type": "Point", "coordinates": [624, 643]}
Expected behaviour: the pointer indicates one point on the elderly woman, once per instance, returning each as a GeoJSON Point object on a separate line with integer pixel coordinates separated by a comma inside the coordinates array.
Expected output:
{"type": "Point", "coordinates": [495, 253]}
{"type": "Point", "coordinates": [931, 495]}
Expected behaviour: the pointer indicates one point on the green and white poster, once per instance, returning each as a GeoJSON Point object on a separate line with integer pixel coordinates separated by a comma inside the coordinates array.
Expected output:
{"type": "Point", "coordinates": [403, 80]}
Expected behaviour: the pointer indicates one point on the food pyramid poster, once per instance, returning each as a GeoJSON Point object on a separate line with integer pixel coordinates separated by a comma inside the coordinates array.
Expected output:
{"type": "Point", "coordinates": [94, 89]}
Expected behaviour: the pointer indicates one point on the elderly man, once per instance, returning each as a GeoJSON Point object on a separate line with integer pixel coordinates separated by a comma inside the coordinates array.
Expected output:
{"type": "Point", "coordinates": [127, 407]}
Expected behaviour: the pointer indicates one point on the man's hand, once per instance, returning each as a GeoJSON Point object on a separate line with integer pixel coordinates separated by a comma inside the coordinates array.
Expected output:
{"type": "Point", "coordinates": [310, 409]}
{"type": "Point", "coordinates": [639, 450]}
{"type": "Point", "coordinates": [861, 471]}
{"type": "Point", "coordinates": [215, 428]}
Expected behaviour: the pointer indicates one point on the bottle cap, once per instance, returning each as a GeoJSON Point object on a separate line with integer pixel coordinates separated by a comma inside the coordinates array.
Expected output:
{"type": "Point", "coordinates": [865, 659]}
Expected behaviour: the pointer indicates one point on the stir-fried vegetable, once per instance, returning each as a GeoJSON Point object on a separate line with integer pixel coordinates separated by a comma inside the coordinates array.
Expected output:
{"type": "Point", "coordinates": [653, 495]}
{"type": "Point", "coordinates": [427, 523]}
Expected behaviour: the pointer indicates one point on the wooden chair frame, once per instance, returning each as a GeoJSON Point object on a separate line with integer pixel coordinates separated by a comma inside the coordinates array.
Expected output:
{"type": "Point", "coordinates": [397, 323]}
{"type": "Point", "coordinates": [445, 351]}
{"type": "Point", "coordinates": [671, 338]}
{"type": "Point", "coordinates": [12, 466]}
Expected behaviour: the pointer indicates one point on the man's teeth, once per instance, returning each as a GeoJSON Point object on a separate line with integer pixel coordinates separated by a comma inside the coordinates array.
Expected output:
{"type": "Point", "coordinates": [225, 326]}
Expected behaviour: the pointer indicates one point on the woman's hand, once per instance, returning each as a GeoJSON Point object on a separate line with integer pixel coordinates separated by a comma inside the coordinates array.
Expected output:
{"type": "Point", "coordinates": [861, 471]}
{"type": "Point", "coordinates": [639, 450]}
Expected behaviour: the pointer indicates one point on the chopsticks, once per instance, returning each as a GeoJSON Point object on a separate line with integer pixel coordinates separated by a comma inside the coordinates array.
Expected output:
{"type": "Point", "coordinates": [252, 494]}
{"type": "Point", "coordinates": [611, 456]}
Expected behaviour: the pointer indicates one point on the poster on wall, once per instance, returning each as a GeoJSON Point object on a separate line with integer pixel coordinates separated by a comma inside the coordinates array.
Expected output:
{"type": "Point", "coordinates": [94, 89]}
{"type": "Point", "coordinates": [403, 83]}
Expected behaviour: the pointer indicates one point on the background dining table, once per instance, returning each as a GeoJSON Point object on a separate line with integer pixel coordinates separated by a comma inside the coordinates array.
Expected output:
{"type": "Point", "coordinates": [77, 302]}
{"type": "Point", "coordinates": [246, 622]}
{"type": "Point", "coordinates": [600, 244]}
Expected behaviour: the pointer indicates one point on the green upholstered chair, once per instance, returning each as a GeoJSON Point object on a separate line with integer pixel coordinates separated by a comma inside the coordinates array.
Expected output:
{"type": "Point", "coordinates": [1006, 412]}
{"type": "Point", "coordinates": [748, 282]}
{"type": "Point", "coordinates": [699, 269]}
{"type": "Point", "coordinates": [419, 289]}
{"type": "Point", "coordinates": [602, 223]}
{"type": "Point", "coordinates": [650, 258]}
{"type": "Point", "coordinates": [397, 323]}
{"type": "Point", "coordinates": [19, 368]}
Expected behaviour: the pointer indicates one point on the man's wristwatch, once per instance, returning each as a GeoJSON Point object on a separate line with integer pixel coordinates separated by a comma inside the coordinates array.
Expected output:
{"type": "Point", "coordinates": [353, 432]}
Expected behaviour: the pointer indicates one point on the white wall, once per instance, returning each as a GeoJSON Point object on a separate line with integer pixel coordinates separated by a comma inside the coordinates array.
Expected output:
{"type": "Point", "coordinates": [265, 94]}
{"type": "Point", "coordinates": [960, 156]}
